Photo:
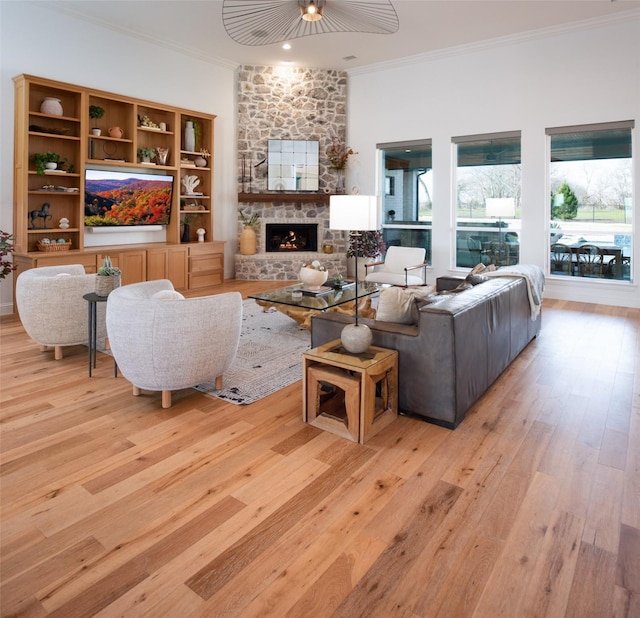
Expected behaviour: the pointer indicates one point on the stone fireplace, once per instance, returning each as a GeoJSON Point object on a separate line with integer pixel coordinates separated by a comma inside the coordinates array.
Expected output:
{"type": "Point", "coordinates": [299, 104]}
{"type": "Point", "coordinates": [277, 220]}
{"type": "Point", "coordinates": [287, 237]}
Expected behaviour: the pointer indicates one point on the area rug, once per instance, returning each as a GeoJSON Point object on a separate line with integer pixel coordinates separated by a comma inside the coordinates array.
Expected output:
{"type": "Point", "coordinates": [269, 356]}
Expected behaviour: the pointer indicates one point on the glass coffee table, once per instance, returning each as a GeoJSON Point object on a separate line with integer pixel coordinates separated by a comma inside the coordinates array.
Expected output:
{"type": "Point", "coordinates": [300, 307]}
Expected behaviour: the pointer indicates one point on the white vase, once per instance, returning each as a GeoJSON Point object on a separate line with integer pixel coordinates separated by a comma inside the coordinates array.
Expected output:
{"type": "Point", "coordinates": [51, 106]}
{"type": "Point", "coordinates": [189, 137]}
{"type": "Point", "coordinates": [362, 271]}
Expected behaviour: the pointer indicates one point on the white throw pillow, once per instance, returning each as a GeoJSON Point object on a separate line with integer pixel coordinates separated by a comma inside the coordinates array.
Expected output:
{"type": "Point", "coordinates": [167, 295]}
{"type": "Point", "coordinates": [399, 304]}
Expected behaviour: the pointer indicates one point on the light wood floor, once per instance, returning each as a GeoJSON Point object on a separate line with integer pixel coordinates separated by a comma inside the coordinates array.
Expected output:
{"type": "Point", "coordinates": [112, 506]}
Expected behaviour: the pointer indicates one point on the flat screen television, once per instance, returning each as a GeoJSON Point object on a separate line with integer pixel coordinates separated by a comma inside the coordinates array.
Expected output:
{"type": "Point", "coordinates": [114, 198]}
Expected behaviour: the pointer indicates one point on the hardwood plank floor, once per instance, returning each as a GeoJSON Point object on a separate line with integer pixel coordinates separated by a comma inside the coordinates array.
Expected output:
{"type": "Point", "coordinates": [112, 506]}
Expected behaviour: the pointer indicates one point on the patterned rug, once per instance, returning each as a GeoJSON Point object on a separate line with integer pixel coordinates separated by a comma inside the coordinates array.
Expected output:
{"type": "Point", "coordinates": [269, 356]}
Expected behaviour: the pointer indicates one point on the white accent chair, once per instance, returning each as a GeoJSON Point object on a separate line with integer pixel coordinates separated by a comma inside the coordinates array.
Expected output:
{"type": "Point", "coordinates": [167, 344]}
{"type": "Point", "coordinates": [51, 307]}
{"type": "Point", "coordinates": [394, 270]}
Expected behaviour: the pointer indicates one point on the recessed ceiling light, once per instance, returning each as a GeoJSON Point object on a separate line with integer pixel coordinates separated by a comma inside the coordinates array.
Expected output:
{"type": "Point", "coordinates": [286, 46]}
{"type": "Point", "coordinates": [349, 57]}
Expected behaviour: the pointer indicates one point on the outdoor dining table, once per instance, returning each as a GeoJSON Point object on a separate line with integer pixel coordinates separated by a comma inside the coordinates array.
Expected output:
{"type": "Point", "coordinates": [608, 249]}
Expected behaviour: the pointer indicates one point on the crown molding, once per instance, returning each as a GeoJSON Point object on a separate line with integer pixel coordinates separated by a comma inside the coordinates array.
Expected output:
{"type": "Point", "coordinates": [531, 35]}
{"type": "Point", "coordinates": [129, 32]}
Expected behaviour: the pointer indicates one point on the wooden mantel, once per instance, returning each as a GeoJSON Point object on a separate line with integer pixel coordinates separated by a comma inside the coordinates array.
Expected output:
{"type": "Point", "coordinates": [302, 198]}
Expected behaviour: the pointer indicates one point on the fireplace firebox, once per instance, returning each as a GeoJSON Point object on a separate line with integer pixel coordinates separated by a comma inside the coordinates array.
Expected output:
{"type": "Point", "coordinates": [289, 237]}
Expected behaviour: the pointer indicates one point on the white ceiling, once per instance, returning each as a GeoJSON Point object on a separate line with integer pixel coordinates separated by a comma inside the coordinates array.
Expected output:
{"type": "Point", "coordinates": [195, 27]}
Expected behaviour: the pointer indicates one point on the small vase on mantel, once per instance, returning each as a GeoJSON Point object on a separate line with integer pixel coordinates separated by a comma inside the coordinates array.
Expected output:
{"type": "Point", "coordinates": [340, 184]}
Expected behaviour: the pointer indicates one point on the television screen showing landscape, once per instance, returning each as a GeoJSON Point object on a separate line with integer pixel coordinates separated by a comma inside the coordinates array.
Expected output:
{"type": "Point", "coordinates": [123, 198]}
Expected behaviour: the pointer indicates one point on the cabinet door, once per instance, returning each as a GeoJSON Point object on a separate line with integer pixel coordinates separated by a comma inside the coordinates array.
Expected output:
{"type": "Point", "coordinates": [177, 262]}
{"type": "Point", "coordinates": [133, 265]}
{"type": "Point", "coordinates": [157, 264]}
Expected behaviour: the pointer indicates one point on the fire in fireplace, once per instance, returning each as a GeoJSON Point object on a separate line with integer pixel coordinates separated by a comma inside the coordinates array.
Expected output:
{"type": "Point", "coordinates": [291, 237]}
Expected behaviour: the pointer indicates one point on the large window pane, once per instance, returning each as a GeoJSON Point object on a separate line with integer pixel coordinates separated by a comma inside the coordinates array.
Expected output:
{"type": "Point", "coordinates": [591, 201]}
{"type": "Point", "coordinates": [406, 194]}
{"type": "Point", "coordinates": [488, 199]}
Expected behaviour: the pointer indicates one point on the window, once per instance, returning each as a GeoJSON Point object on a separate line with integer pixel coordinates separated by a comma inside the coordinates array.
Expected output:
{"type": "Point", "coordinates": [406, 202]}
{"type": "Point", "coordinates": [590, 211]}
{"type": "Point", "coordinates": [488, 199]}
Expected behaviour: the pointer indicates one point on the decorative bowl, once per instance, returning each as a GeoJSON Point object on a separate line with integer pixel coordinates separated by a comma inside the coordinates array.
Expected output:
{"type": "Point", "coordinates": [312, 277]}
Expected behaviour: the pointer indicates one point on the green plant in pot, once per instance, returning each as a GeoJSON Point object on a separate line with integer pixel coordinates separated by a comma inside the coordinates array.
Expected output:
{"type": "Point", "coordinates": [95, 113]}
{"type": "Point", "coordinates": [107, 278]}
{"type": "Point", "coordinates": [146, 154]}
{"type": "Point", "coordinates": [46, 160]}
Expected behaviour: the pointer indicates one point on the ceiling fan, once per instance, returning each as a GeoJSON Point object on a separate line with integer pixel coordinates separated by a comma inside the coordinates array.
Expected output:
{"type": "Point", "coordinates": [263, 22]}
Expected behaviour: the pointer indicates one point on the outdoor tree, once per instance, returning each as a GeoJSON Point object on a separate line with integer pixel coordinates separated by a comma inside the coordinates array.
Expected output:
{"type": "Point", "coordinates": [564, 203]}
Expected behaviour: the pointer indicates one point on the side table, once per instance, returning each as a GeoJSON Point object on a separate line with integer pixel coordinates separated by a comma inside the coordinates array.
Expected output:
{"type": "Point", "coordinates": [351, 395]}
{"type": "Point", "coordinates": [93, 299]}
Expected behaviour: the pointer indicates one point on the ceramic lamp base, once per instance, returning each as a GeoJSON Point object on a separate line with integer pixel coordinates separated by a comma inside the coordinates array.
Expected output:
{"type": "Point", "coordinates": [356, 338]}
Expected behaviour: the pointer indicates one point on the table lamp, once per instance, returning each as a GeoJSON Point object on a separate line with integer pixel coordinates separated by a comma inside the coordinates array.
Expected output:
{"type": "Point", "coordinates": [355, 214]}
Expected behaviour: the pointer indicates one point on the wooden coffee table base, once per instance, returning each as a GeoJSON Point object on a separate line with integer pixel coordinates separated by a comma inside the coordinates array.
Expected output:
{"type": "Point", "coordinates": [303, 316]}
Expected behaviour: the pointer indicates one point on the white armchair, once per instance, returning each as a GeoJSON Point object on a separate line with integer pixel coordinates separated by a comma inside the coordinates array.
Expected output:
{"type": "Point", "coordinates": [394, 270]}
{"type": "Point", "coordinates": [51, 307]}
{"type": "Point", "coordinates": [170, 343]}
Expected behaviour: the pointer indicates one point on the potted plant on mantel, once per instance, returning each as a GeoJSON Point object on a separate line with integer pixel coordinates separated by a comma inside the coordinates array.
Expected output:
{"type": "Point", "coordinates": [108, 277]}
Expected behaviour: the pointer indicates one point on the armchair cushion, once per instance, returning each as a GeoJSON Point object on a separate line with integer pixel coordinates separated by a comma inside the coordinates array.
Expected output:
{"type": "Point", "coordinates": [168, 295]}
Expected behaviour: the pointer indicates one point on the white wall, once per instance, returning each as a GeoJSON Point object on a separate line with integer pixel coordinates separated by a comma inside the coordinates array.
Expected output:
{"type": "Point", "coordinates": [40, 41]}
{"type": "Point", "coordinates": [579, 76]}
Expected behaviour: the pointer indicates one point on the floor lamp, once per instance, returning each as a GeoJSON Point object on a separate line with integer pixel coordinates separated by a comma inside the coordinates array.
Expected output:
{"type": "Point", "coordinates": [355, 214]}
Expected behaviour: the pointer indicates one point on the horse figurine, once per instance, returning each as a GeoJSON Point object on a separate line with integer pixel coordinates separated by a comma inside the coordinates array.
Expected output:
{"type": "Point", "coordinates": [44, 213]}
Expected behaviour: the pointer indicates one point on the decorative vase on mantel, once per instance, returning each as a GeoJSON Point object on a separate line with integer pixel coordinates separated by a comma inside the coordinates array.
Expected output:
{"type": "Point", "coordinates": [248, 241]}
{"type": "Point", "coordinates": [340, 183]}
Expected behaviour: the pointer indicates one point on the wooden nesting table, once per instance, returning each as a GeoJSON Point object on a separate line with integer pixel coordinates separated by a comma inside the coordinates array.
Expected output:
{"type": "Point", "coordinates": [351, 395]}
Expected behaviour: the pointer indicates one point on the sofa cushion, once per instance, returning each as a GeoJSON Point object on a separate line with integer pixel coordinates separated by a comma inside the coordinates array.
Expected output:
{"type": "Point", "coordinates": [399, 304]}
{"type": "Point", "coordinates": [475, 279]}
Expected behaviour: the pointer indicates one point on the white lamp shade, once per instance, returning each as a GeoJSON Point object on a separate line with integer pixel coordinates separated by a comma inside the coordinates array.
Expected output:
{"type": "Point", "coordinates": [354, 212]}
{"type": "Point", "coordinates": [500, 207]}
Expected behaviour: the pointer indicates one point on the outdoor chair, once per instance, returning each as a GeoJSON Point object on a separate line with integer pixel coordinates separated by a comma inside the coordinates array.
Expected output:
{"type": "Point", "coordinates": [477, 253]}
{"type": "Point", "coordinates": [499, 254]}
{"type": "Point", "coordinates": [590, 263]}
{"type": "Point", "coordinates": [561, 259]}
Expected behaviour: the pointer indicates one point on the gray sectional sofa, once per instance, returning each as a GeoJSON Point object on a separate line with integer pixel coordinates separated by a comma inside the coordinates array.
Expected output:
{"type": "Point", "coordinates": [459, 346]}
